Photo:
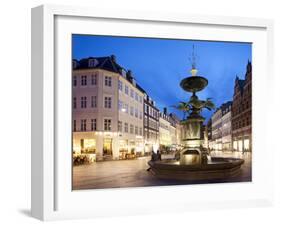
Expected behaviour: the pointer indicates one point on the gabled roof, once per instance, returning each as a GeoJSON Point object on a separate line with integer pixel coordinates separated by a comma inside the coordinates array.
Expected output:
{"type": "Point", "coordinates": [240, 83]}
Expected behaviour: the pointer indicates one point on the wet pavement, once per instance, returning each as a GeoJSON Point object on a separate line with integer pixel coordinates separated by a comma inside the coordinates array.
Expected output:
{"type": "Point", "coordinates": [133, 173]}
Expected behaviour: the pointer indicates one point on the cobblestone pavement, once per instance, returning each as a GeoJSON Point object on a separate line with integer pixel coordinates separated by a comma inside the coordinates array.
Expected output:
{"type": "Point", "coordinates": [133, 173]}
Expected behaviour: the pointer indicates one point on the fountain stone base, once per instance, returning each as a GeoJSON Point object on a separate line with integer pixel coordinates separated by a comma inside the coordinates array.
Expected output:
{"type": "Point", "coordinates": [217, 168]}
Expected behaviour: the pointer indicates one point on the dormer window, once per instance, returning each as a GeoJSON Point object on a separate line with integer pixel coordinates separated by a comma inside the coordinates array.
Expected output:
{"type": "Point", "coordinates": [74, 64]}
{"type": "Point", "coordinates": [93, 62]}
{"type": "Point", "coordinates": [134, 82]}
{"type": "Point", "coordinates": [123, 73]}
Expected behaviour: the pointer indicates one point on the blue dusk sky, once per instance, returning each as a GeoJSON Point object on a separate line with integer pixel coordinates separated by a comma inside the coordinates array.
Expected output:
{"type": "Point", "coordinates": [159, 65]}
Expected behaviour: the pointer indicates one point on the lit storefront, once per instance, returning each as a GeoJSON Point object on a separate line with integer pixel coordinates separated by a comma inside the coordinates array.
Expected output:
{"type": "Point", "coordinates": [242, 144]}
{"type": "Point", "coordinates": [123, 148]}
{"type": "Point", "coordinates": [107, 145]}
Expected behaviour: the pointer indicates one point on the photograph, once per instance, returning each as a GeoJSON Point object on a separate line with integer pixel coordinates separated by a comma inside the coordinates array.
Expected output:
{"type": "Point", "coordinates": [158, 112]}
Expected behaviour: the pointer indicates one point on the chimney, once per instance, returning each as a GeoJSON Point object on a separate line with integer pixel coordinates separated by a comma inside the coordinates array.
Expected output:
{"type": "Point", "coordinates": [165, 111]}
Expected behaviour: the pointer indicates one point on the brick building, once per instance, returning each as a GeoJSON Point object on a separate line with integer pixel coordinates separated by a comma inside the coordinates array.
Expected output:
{"type": "Point", "coordinates": [242, 112]}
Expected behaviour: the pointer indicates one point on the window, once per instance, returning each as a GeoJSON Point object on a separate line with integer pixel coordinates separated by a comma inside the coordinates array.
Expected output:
{"type": "Point", "coordinates": [136, 130]}
{"type": "Point", "coordinates": [83, 125]}
{"type": "Point", "coordinates": [91, 63]}
{"type": "Point", "coordinates": [83, 102]}
{"type": "Point", "coordinates": [74, 125]}
{"type": "Point", "coordinates": [120, 105]}
{"type": "Point", "coordinates": [74, 64]}
{"type": "Point", "coordinates": [107, 102]}
{"type": "Point", "coordinates": [120, 85]}
{"type": "Point", "coordinates": [107, 124]}
{"type": "Point", "coordinates": [119, 126]}
{"type": "Point", "coordinates": [248, 121]}
{"type": "Point", "coordinates": [140, 132]}
{"type": "Point", "coordinates": [94, 79]}
{"type": "Point", "coordinates": [145, 121]}
{"type": "Point", "coordinates": [74, 102]}
{"type": "Point", "coordinates": [131, 129]}
{"type": "Point", "coordinates": [126, 89]}
{"type": "Point", "coordinates": [136, 113]}
{"type": "Point", "coordinates": [145, 108]}
{"type": "Point", "coordinates": [134, 82]}
{"type": "Point", "coordinates": [107, 81]}
{"type": "Point", "coordinates": [126, 107]}
{"type": "Point", "coordinates": [123, 72]}
{"type": "Point", "coordinates": [140, 114]}
{"type": "Point", "coordinates": [93, 124]}
{"type": "Point", "coordinates": [75, 81]}
{"type": "Point", "coordinates": [132, 93]}
{"type": "Point", "coordinates": [93, 101]}
{"type": "Point", "coordinates": [131, 111]}
{"type": "Point", "coordinates": [83, 80]}
{"type": "Point", "coordinates": [154, 114]}
{"type": "Point", "coordinates": [126, 128]}
{"type": "Point", "coordinates": [145, 133]}
{"type": "Point", "coordinates": [136, 96]}
{"type": "Point", "coordinates": [140, 99]}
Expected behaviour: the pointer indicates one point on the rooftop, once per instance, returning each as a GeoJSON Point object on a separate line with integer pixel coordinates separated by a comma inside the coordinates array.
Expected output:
{"type": "Point", "coordinates": [108, 63]}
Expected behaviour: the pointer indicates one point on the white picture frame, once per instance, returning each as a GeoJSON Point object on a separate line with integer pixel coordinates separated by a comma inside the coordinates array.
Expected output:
{"type": "Point", "coordinates": [52, 197]}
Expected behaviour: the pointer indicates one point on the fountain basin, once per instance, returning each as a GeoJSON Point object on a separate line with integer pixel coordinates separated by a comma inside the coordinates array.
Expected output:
{"type": "Point", "coordinates": [217, 168]}
{"type": "Point", "coordinates": [194, 83]}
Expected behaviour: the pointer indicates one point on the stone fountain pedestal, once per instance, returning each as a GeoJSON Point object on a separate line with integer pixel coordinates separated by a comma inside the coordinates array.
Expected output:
{"type": "Point", "coordinates": [192, 140]}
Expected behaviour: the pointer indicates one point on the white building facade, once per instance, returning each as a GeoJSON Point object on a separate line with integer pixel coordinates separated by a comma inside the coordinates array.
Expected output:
{"type": "Point", "coordinates": [216, 142]}
{"type": "Point", "coordinates": [165, 137]}
{"type": "Point", "coordinates": [107, 110]}
{"type": "Point", "coordinates": [130, 121]}
{"type": "Point", "coordinates": [221, 128]}
{"type": "Point", "coordinates": [169, 131]}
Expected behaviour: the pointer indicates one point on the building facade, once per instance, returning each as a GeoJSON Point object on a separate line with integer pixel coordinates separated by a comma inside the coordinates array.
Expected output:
{"type": "Point", "coordinates": [226, 128]}
{"type": "Point", "coordinates": [175, 121]}
{"type": "Point", "coordinates": [220, 132]}
{"type": "Point", "coordinates": [151, 124]}
{"type": "Point", "coordinates": [242, 112]}
{"type": "Point", "coordinates": [107, 109]}
{"type": "Point", "coordinates": [216, 142]}
{"type": "Point", "coordinates": [165, 138]}
{"type": "Point", "coordinates": [169, 131]}
{"type": "Point", "coordinates": [209, 133]}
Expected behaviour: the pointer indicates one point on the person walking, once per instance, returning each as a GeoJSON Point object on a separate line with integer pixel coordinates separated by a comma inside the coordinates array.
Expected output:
{"type": "Point", "coordinates": [158, 155]}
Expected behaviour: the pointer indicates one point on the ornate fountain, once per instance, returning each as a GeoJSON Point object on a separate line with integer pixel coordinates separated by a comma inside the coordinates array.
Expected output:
{"type": "Point", "coordinates": [194, 153]}
{"type": "Point", "coordinates": [193, 161]}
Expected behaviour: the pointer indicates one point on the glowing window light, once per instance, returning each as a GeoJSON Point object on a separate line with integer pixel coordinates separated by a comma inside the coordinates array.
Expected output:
{"type": "Point", "coordinates": [155, 147]}
{"type": "Point", "coordinates": [90, 144]}
{"type": "Point", "coordinates": [246, 144]}
{"type": "Point", "coordinates": [240, 145]}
